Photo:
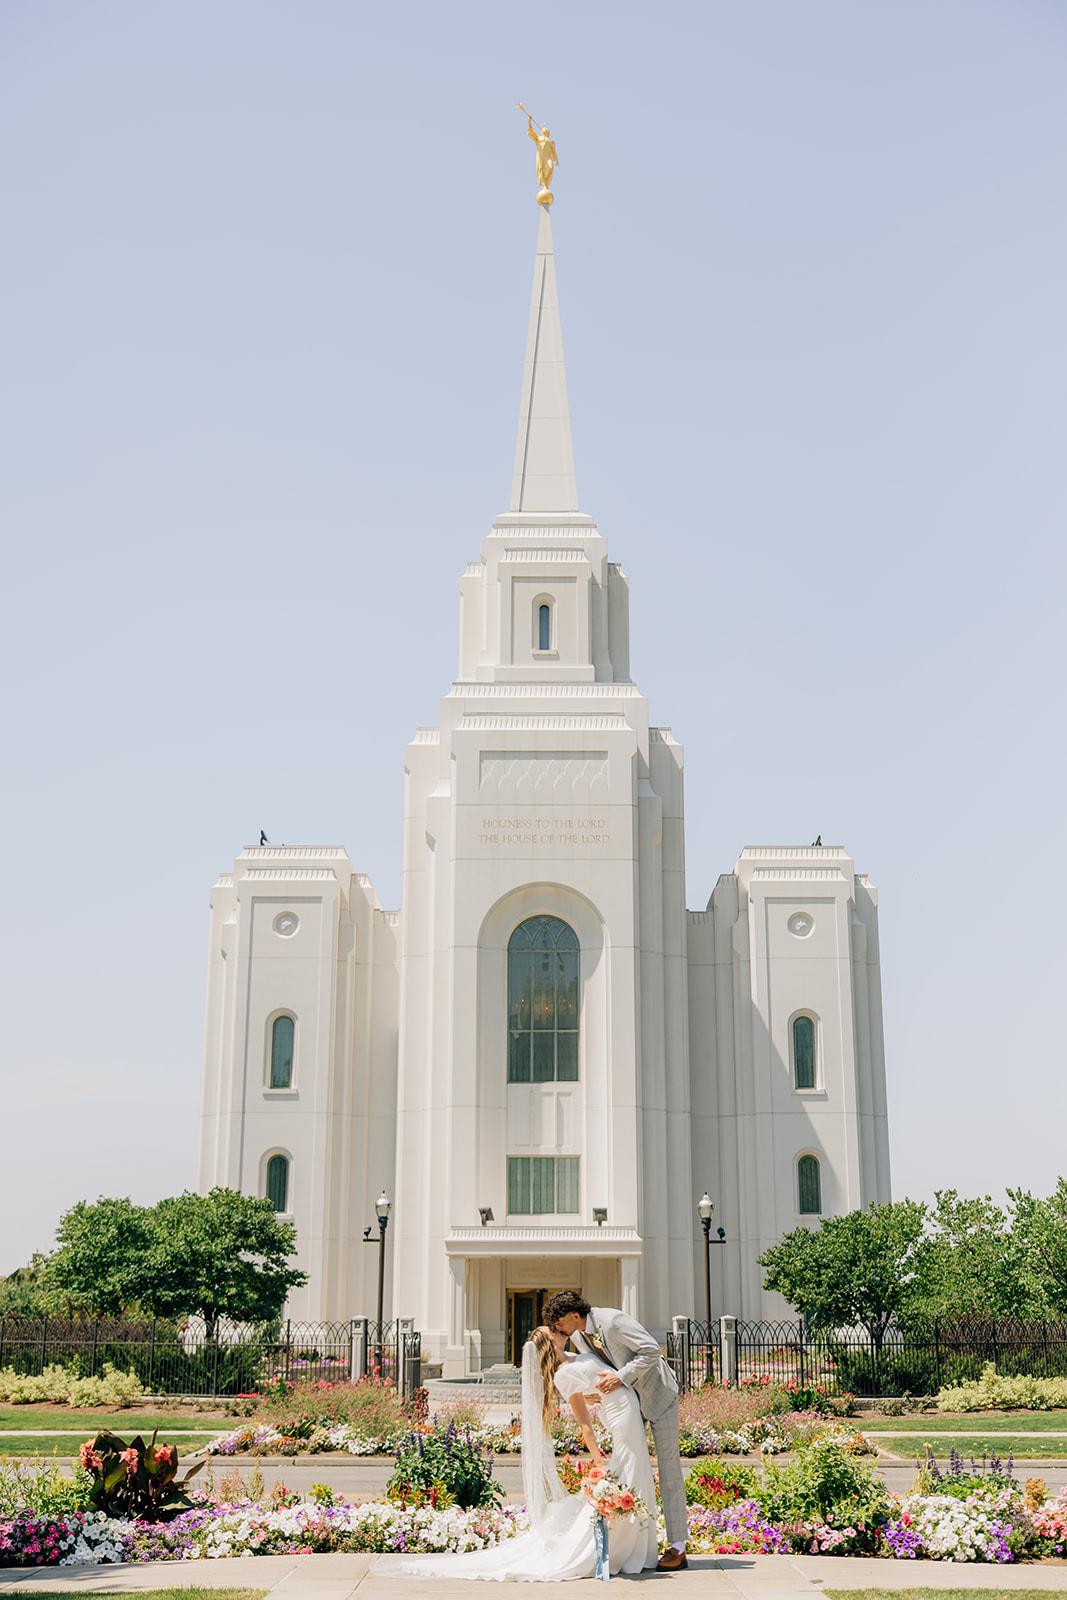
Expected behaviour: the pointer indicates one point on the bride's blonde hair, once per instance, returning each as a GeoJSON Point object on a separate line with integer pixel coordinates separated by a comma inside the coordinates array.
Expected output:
{"type": "Point", "coordinates": [551, 1360]}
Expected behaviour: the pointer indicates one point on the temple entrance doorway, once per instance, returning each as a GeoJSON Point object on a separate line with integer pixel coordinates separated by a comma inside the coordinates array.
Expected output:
{"type": "Point", "coordinates": [524, 1315]}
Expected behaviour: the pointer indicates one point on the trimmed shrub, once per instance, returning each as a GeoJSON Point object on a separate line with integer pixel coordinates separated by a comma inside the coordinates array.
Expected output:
{"type": "Point", "coordinates": [992, 1391]}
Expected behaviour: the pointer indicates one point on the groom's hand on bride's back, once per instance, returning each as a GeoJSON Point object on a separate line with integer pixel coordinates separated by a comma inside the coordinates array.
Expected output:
{"type": "Point", "coordinates": [608, 1382]}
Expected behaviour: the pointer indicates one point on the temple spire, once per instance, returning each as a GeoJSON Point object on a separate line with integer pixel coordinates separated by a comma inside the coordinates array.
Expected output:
{"type": "Point", "coordinates": [544, 458]}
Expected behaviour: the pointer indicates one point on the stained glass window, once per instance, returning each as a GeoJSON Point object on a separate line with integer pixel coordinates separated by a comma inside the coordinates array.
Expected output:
{"type": "Point", "coordinates": [804, 1052]}
{"type": "Point", "coordinates": [809, 1186]}
{"type": "Point", "coordinates": [281, 1053]}
{"type": "Point", "coordinates": [278, 1182]}
{"type": "Point", "coordinates": [543, 1002]}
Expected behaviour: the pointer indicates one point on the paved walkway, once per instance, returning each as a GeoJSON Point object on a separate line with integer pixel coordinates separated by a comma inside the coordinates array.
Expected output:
{"type": "Point", "coordinates": [364, 1477]}
{"type": "Point", "coordinates": [739, 1577]}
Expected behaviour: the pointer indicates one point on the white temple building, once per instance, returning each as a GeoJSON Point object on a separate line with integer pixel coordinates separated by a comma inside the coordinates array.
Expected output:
{"type": "Point", "coordinates": [543, 1057]}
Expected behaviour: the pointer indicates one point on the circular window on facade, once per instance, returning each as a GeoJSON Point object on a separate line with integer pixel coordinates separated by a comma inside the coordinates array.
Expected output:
{"type": "Point", "coordinates": [286, 923]}
{"type": "Point", "coordinates": [800, 924]}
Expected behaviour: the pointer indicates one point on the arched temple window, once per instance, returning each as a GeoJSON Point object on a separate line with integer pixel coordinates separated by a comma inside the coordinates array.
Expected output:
{"type": "Point", "coordinates": [809, 1187]}
{"type": "Point", "coordinates": [543, 1002]}
{"type": "Point", "coordinates": [278, 1182]}
{"type": "Point", "coordinates": [281, 1053]}
{"type": "Point", "coordinates": [804, 1052]}
{"type": "Point", "coordinates": [544, 626]}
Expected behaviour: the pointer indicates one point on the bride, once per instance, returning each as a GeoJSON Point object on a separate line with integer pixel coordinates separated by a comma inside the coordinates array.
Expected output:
{"type": "Point", "coordinates": [560, 1542]}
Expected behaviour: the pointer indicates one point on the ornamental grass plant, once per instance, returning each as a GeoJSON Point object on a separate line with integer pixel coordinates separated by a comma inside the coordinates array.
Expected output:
{"type": "Point", "coordinates": [371, 1406]}
{"type": "Point", "coordinates": [723, 1407]}
{"type": "Point", "coordinates": [41, 1487]}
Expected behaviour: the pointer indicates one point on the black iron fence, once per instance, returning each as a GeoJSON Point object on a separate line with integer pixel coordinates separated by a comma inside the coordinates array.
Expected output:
{"type": "Point", "coordinates": [914, 1358]}
{"type": "Point", "coordinates": [239, 1358]}
{"type": "Point", "coordinates": [694, 1353]}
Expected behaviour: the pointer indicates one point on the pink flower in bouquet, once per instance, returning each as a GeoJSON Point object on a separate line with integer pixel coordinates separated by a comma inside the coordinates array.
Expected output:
{"type": "Point", "coordinates": [626, 1501]}
{"type": "Point", "coordinates": [595, 1474]}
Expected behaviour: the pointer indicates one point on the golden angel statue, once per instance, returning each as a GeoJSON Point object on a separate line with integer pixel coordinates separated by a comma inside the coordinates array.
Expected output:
{"type": "Point", "coordinates": [547, 159]}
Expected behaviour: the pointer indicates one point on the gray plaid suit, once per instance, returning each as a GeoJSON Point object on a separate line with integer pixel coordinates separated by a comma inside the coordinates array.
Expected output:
{"type": "Point", "coordinates": [642, 1368]}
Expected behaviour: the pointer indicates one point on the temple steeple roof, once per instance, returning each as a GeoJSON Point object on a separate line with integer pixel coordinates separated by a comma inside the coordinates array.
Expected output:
{"type": "Point", "coordinates": [544, 457]}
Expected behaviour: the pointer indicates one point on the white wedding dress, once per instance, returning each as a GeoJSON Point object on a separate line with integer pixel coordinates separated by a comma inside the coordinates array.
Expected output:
{"type": "Point", "coordinates": [560, 1542]}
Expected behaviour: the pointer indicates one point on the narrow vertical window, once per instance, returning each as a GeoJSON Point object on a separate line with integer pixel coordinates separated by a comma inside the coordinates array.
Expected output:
{"type": "Point", "coordinates": [804, 1052]}
{"type": "Point", "coordinates": [544, 627]}
{"type": "Point", "coordinates": [281, 1053]}
{"type": "Point", "coordinates": [543, 1002]}
{"type": "Point", "coordinates": [278, 1183]}
{"type": "Point", "coordinates": [809, 1187]}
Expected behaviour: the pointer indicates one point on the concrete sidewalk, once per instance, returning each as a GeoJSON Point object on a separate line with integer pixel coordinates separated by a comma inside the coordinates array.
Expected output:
{"type": "Point", "coordinates": [338, 1577]}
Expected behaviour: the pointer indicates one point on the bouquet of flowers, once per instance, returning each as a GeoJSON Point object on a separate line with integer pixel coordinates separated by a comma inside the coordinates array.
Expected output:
{"type": "Point", "coordinates": [609, 1498]}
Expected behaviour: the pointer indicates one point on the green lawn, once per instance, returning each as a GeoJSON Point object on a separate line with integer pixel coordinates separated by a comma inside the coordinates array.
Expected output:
{"type": "Point", "coordinates": [964, 1422]}
{"type": "Point", "coordinates": [124, 1423]}
{"type": "Point", "coordinates": [65, 1445]}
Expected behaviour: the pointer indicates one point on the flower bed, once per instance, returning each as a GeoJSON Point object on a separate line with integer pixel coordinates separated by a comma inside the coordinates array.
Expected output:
{"type": "Point", "coordinates": [213, 1532]}
{"type": "Point", "coordinates": [823, 1501]}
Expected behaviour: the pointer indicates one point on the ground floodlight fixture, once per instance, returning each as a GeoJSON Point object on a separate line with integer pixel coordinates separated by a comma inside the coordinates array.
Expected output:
{"type": "Point", "coordinates": [486, 1214]}
{"type": "Point", "coordinates": [600, 1215]}
{"type": "Point", "coordinates": [705, 1206]}
{"type": "Point", "coordinates": [382, 1208]}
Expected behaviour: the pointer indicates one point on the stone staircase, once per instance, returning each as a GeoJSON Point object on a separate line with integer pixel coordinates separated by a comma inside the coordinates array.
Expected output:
{"type": "Point", "coordinates": [499, 1385]}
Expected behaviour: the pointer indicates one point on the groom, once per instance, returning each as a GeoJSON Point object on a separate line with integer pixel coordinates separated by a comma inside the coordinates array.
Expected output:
{"type": "Point", "coordinates": [621, 1342]}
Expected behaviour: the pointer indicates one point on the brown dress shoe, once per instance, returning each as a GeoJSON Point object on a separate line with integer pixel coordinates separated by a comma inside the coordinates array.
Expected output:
{"type": "Point", "coordinates": [671, 1560]}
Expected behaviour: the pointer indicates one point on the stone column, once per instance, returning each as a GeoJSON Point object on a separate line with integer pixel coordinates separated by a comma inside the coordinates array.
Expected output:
{"type": "Point", "coordinates": [455, 1362]}
{"type": "Point", "coordinates": [728, 1345]}
{"type": "Point", "coordinates": [628, 1297]}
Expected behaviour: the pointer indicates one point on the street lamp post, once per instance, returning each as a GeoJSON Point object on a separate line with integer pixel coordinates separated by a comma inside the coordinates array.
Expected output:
{"type": "Point", "coordinates": [382, 1208]}
{"type": "Point", "coordinates": [706, 1210]}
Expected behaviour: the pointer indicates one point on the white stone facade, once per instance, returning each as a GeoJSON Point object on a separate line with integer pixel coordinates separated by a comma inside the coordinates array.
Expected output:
{"type": "Point", "coordinates": [676, 1061]}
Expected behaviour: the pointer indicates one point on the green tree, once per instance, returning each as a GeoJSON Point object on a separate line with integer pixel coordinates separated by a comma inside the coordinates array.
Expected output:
{"type": "Point", "coordinates": [98, 1264]}
{"type": "Point", "coordinates": [1041, 1229]}
{"type": "Point", "coordinates": [222, 1254]}
{"type": "Point", "coordinates": [973, 1264]}
{"type": "Point", "coordinates": [22, 1293]}
{"type": "Point", "coordinates": [858, 1268]}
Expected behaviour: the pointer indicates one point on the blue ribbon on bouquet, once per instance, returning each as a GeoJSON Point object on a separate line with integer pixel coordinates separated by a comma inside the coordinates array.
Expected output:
{"type": "Point", "coordinates": [600, 1541]}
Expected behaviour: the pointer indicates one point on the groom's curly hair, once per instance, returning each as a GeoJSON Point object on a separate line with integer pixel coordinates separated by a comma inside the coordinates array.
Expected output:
{"type": "Point", "coordinates": [562, 1304]}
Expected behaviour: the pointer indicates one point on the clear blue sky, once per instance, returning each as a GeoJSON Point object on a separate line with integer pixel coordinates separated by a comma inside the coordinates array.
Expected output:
{"type": "Point", "coordinates": [264, 291]}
